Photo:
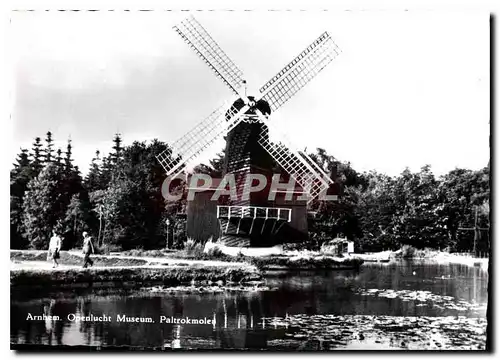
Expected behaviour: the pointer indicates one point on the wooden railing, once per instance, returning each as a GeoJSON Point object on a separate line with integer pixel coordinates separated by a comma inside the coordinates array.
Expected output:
{"type": "Point", "coordinates": [255, 212]}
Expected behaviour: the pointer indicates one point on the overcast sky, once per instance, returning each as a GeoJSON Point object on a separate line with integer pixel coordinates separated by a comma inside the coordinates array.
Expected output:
{"type": "Point", "coordinates": [410, 88]}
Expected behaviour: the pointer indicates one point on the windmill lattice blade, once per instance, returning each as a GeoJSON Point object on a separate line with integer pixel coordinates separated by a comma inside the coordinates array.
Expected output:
{"type": "Point", "coordinates": [307, 176]}
{"type": "Point", "coordinates": [202, 43]}
{"type": "Point", "coordinates": [287, 141]}
{"type": "Point", "coordinates": [204, 134]}
{"type": "Point", "coordinates": [300, 71]}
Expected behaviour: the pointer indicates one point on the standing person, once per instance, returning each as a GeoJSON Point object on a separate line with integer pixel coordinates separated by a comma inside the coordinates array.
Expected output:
{"type": "Point", "coordinates": [54, 249]}
{"type": "Point", "coordinates": [88, 248]}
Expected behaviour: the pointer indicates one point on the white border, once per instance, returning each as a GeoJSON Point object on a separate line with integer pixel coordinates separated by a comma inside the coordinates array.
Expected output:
{"type": "Point", "coordinates": [318, 5]}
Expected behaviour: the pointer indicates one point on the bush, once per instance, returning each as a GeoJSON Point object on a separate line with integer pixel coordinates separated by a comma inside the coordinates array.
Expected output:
{"type": "Point", "coordinates": [189, 245]}
{"type": "Point", "coordinates": [215, 252]}
{"type": "Point", "coordinates": [407, 252]}
{"type": "Point", "coordinates": [240, 257]}
{"type": "Point", "coordinates": [179, 234]}
{"type": "Point", "coordinates": [193, 248]}
{"type": "Point", "coordinates": [410, 252]}
{"type": "Point", "coordinates": [310, 245]}
{"type": "Point", "coordinates": [304, 262]}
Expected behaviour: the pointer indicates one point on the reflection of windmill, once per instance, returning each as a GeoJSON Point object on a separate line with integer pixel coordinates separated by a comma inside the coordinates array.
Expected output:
{"type": "Point", "coordinates": [248, 147]}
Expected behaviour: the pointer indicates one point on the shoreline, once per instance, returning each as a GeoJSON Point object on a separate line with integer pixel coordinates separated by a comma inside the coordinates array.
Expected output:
{"type": "Point", "coordinates": [434, 256]}
{"type": "Point", "coordinates": [29, 269]}
{"type": "Point", "coordinates": [22, 280]}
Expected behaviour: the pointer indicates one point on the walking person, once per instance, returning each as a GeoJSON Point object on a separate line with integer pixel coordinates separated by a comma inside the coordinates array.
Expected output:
{"type": "Point", "coordinates": [54, 249]}
{"type": "Point", "coordinates": [88, 248]}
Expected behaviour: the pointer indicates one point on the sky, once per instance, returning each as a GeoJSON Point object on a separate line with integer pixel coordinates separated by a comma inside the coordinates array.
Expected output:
{"type": "Point", "coordinates": [409, 88]}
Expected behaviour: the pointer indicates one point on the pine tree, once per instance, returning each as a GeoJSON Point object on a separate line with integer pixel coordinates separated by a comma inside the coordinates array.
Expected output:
{"type": "Point", "coordinates": [116, 156]}
{"type": "Point", "coordinates": [58, 161]}
{"type": "Point", "coordinates": [22, 160]}
{"type": "Point", "coordinates": [21, 174]}
{"type": "Point", "coordinates": [36, 157]}
{"type": "Point", "coordinates": [49, 148]}
{"type": "Point", "coordinates": [68, 161]}
{"type": "Point", "coordinates": [93, 178]}
{"type": "Point", "coordinates": [19, 178]}
{"type": "Point", "coordinates": [111, 165]}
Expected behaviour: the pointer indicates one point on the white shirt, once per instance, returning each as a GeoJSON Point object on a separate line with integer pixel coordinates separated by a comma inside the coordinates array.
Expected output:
{"type": "Point", "coordinates": [55, 243]}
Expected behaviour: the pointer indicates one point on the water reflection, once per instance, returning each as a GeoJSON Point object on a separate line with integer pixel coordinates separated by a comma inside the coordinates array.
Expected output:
{"type": "Point", "coordinates": [243, 320]}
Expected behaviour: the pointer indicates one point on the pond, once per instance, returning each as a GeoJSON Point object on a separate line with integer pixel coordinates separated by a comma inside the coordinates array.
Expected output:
{"type": "Point", "coordinates": [403, 305]}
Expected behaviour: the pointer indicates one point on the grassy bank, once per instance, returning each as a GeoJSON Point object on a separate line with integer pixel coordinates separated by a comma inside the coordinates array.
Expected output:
{"type": "Point", "coordinates": [408, 252]}
{"type": "Point", "coordinates": [32, 271]}
{"type": "Point", "coordinates": [305, 263]}
{"type": "Point", "coordinates": [117, 277]}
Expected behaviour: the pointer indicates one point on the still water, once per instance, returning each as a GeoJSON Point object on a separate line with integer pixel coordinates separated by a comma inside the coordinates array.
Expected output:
{"type": "Point", "coordinates": [400, 305]}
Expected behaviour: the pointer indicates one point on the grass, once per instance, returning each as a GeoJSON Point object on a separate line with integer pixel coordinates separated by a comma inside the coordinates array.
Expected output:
{"type": "Point", "coordinates": [71, 259]}
{"type": "Point", "coordinates": [311, 263]}
{"type": "Point", "coordinates": [167, 276]}
{"type": "Point", "coordinates": [147, 253]}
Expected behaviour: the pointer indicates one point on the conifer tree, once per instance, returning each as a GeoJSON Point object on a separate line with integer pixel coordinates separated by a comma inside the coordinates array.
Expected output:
{"type": "Point", "coordinates": [49, 151]}
{"type": "Point", "coordinates": [68, 161]}
{"type": "Point", "coordinates": [117, 148]}
{"type": "Point", "coordinates": [36, 157]}
{"type": "Point", "coordinates": [93, 178]}
{"type": "Point", "coordinates": [58, 161]}
{"type": "Point", "coordinates": [20, 175]}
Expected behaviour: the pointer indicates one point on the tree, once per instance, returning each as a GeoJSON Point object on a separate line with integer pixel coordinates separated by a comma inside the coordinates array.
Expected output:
{"type": "Point", "coordinates": [460, 192]}
{"type": "Point", "coordinates": [376, 209]}
{"type": "Point", "coordinates": [111, 165]}
{"type": "Point", "coordinates": [20, 175]}
{"type": "Point", "coordinates": [49, 151]}
{"type": "Point", "coordinates": [455, 196]}
{"type": "Point", "coordinates": [78, 218]}
{"type": "Point", "coordinates": [58, 160]}
{"type": "Point", "coordinates": [70, 187]}
{"type": "Point", "coordinates": [39, 207]}
{"type": "Point", "coordinates": [337, 218]}
{"type": "Point", "coordinates": [134, 211]}
{"type": "Point", "coordinates": [116, 156]}
{"type": "Point", "coordinates": [68, 161]}
{"type": "Point", "coordinates": [420, 222]}
{"type": "Point", "coordinates": [93, 179]}
{"type": "Point", "coordinates": [215, 167]}
{"type": "Point", "coordinates": [36, 157]}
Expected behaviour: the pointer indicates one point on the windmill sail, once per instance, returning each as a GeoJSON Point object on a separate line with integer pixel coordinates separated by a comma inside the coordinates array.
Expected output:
{"type": "Point", "coordinates": [210, 52]}
{"type": "Point", "coordinates": [299, 71]}
{"type": "Point", "coordinates": [275, 92]}
{"type": "Point", "coordinates": [304, 170]}
{"type": "Point", "coordinates": [204, 134]}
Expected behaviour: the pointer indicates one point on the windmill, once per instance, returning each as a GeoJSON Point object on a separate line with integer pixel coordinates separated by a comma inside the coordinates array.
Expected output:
{"type": "Point", "coordinates": [246, 125]}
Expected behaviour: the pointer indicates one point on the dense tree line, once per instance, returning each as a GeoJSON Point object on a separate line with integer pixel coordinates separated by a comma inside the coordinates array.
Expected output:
{"type": "Point", "coordinates": [120, 202]}
{"type": "Point", "coordinates": [380, 212]}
